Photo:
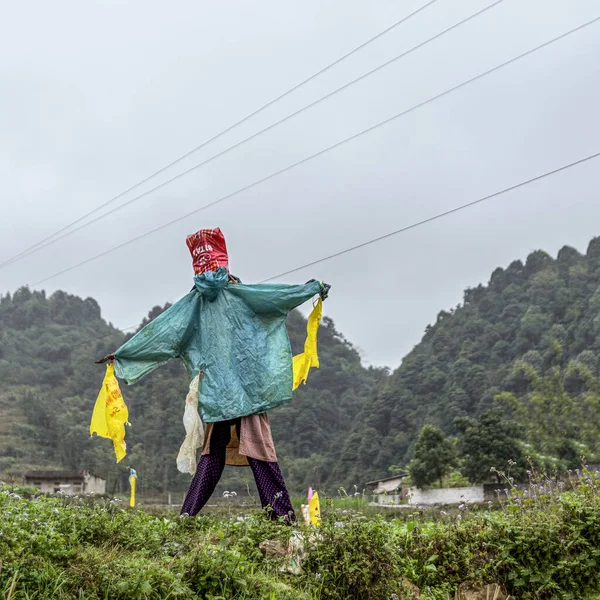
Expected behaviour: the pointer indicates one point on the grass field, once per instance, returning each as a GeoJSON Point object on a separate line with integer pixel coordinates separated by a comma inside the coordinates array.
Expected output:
{"type": "Point", "coordinates": [535, 545]}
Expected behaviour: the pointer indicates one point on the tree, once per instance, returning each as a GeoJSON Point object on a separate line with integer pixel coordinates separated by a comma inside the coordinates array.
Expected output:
{"type": "Point", "coordinates": [434, 456]}
{"type": "Point", "coordinates": [489, 442]}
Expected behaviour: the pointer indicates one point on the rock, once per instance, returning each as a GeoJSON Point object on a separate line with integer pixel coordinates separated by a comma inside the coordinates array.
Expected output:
{"type": "Point", "coordinates": [408, 590]}
{"type": "Point", "coordinates": [470, 590]}
{"type": "Point", "coordinates": [272, 548]}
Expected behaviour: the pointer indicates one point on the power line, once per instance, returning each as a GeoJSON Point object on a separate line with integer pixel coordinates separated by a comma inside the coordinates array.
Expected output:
{"type": "Point", "coordinates": [29, 250]}
{"type": "Point", "coordinates": [427, 220]}
{"type": "Point", "coordinates": [256, 135]}
{"type": "Point", "coordinates": [324, 151]}
{"type": "Point", "coordinates": [436, 217]}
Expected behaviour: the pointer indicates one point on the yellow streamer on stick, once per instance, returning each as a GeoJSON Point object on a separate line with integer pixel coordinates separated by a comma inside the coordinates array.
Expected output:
{"type": "Point", "coordinates": [110, 413]}
{"type": "Point", "coordinates": [302, 363]}
{"type": "Point", "coordinates": [314, 510]}
{"type": "Point", "coordinates": [132, 480]}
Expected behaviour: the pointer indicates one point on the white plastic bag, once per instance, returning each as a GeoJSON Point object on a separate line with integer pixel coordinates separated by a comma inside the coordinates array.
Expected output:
{"type": "Point", "coordinates": [194, 432]}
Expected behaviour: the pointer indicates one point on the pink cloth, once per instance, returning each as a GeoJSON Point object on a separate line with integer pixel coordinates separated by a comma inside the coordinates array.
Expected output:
{"type": "Point", "coordinates": [255, 441]}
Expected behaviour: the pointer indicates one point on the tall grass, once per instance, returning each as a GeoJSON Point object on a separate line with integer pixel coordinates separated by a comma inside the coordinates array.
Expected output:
{"type": "Point", "coordinates": [541, 542]}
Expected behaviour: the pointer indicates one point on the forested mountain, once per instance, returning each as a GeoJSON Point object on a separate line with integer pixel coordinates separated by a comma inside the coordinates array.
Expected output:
{"type": "Point", "coordinates": [527, 343]}
{"type": "Point", "coordinates": [49, 383]}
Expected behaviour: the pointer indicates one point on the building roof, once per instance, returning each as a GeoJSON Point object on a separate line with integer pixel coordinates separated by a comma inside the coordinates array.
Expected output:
{"type": "Point", "coordinates": [394, 478]}
{"type": "Point", "coordinates": [54, 475]}
{"type": "Point", "coordinates": [389, 486]}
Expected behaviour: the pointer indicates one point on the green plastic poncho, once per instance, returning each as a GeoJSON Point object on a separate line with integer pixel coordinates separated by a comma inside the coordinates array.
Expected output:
{"type": "Point", "coordinates": [234, 333]}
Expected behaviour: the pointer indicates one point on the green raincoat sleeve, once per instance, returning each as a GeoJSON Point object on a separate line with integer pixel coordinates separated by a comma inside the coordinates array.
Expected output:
{"type": "Point", "coordinates": [158, 342]}
{"type": "Point", "coordinates": [275, 298]}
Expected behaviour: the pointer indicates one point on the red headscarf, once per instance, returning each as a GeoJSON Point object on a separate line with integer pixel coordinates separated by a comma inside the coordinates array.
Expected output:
{"type": "Point", "coordinates": [208, 250]}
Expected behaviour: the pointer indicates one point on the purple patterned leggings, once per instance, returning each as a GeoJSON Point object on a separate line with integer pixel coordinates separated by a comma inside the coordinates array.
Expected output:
{"type": "Point", "coordinates": [268, 477]}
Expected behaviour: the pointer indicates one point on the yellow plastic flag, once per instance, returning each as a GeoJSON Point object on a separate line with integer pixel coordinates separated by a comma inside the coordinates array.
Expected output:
{"type": "Point", "coordinates": [314, 510]}
{"type": "Point", "coordinates": [302, 363]}
{"type": "Point", "coordinates": [132, 480]}
{"type": "Point", "coordinates": [110, 413]}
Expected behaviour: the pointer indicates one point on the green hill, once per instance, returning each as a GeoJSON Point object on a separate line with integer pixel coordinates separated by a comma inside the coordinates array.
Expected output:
{"type": "Point", "coordinates": [49, 383]}
{"type": "Point", "coordinates": [528, 342]}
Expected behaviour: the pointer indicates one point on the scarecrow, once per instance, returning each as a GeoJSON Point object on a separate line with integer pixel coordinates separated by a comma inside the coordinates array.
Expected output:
{"type": "Point", "coordinates": [233, 341]}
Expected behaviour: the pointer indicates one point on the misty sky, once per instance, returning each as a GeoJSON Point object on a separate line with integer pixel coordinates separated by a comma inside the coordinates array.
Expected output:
{"type": "Point", "coordinates": [95, 96]}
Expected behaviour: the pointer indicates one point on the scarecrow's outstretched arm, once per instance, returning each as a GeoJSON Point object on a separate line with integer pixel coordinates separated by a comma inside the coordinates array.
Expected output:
{"type": "Point", "coordinates": [105, 359]}
{"type": "Point", "coordinates": [158, 342]}
{"type": "Point", "coordinates": [276, 298]}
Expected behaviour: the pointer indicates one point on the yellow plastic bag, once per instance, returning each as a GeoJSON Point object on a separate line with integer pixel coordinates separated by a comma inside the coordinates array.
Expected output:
{"type": "Point", "coordinates": [314, 510]}
{"type": "Point", "coordinates": [110, 413]}
{"type": "Point", "coordinates": [302, 363]}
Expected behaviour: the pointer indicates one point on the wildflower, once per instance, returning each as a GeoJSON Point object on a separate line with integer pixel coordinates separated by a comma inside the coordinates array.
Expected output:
{"type": "Point", "coordinates": [317, 575]}
{"type": "Point", "coordinates": [459, 517]}
{"type": "Point", "coordinates": [338, 524]}
{"type": "Point", "coordinates": [461, 507]}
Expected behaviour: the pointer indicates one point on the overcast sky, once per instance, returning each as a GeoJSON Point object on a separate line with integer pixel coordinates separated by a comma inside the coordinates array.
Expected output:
{"type": "Point", "coordinates": [95, 96]}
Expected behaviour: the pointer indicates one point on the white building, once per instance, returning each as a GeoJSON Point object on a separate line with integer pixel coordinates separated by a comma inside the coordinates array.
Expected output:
{"type": "Point", "coordinates": [388, 490]}
{"type": "Point", "coordinates": [66, 482]}
{"type": "Point", "coordinates": [442, 496]}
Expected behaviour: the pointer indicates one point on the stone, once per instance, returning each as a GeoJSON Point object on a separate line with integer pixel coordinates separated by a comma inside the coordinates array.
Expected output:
{"type": "Point", "coordinates": [408, 590]}
{"type": "Point", "coordinates": [272, 548]}
{"type": "Point", "coordinates": [471, 590]}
